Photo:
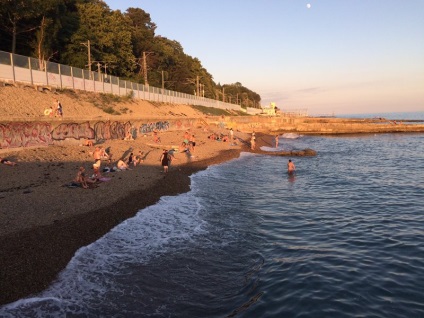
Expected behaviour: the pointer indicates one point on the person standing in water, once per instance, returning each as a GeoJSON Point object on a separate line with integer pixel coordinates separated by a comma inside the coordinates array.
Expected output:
{"type": "Point", "coordinates": [276, 141]}
{"type": "Point", "coordinates": [291, 168]}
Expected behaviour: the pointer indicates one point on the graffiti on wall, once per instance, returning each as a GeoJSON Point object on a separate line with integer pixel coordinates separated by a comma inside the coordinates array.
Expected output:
{"type": "Point", "coordinates": [157, 126]}
{"type": "Point", "coordinates": [111, 130]}
{"type": "Point", "coordinates": [73, 130]}
{"type": "Point", "coordinates": [14, 135]}
{"type": "Point", "coordinates": [188, 123]}
{"type": "Point", "coordinates": [19, 134]}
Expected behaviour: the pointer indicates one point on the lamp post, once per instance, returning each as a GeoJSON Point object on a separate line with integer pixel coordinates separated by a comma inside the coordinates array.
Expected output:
{"type": "Point", "coordinates": [88, 46]}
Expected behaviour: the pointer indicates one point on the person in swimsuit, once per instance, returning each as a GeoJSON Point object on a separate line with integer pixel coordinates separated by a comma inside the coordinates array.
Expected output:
{"type": "Point", "coordinates": [291, 167]}
{"type": "Point", "coordinates": [192, 143]}
{"type": "Point", "coordinates": [253, 142]}
{"type": "Point", "coordinates": [131, 160]}
{"type": "Point", "coordinates": [80, 178]}
{"type": "Point", "coordinates": [7, 162]}
{"type": "Point", "coordinates": [122, 165]}
{"type": "Point", "coordinates": [164, 159]}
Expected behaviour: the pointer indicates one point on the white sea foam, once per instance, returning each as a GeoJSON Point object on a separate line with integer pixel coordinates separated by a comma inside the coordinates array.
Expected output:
{"type": "Point", "coordinates": [90, 275]}
{"type": "Point", "coordinates": [291, 136]}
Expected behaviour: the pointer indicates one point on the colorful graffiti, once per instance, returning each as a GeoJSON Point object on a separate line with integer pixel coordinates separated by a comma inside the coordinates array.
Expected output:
{"type": "Point", "coordinates": [14, 135]}
{"type": "Point", "coordinates": [18, 134]}
{"type": "Point", "coordinates": [111, 130]}
{"type": "Point", "coordinates": [157, 126]}
{"type": "Point", "coordinates": [73, 130]}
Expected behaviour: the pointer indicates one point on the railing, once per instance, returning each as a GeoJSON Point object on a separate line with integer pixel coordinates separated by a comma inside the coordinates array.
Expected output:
{"type": "Point", "coordinates": [22, 69]}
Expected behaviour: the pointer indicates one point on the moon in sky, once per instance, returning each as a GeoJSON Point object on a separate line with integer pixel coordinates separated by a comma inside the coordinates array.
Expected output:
{"type": "Point", "coordinates": [308, 5]}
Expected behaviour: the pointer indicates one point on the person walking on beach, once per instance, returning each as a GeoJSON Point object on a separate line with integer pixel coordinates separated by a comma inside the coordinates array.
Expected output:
{"type": "Point", "coordinates": [192, 143]}
{"type": "Point", "coordinates": [59, 110]}
{"type": "Point", "coordinates": [231, 134]}
{"type": "Point", "coordinates": [291, 167]}
{"type": "Point", "coordinates": [164, 159]}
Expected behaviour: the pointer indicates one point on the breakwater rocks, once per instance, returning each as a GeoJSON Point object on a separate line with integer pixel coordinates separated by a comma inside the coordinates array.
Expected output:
{"type": "Point", "coordinates": [293, 153]}
{"type": "Point", "coordinates": [299, 153]}
{"type": "Point", "coordinates": [322, 126]}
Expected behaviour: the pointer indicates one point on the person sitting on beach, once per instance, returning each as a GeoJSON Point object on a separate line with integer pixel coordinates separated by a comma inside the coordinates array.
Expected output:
{"type": "Point", "coordinates": [122, 165]}
{"type": "Point", "coordinates": [7, 162]}
{"type": "Point", "coordinates": [109, 154]}
{"type": "Point", "coordinates": [291, 167]}
{"type": "Point", "coordinates": [131, 160]}
{"type": "Point", "coordinates": [82, 179]}
{"type": "Point", "coordinates": [103, 154]}
{"type": "Point", "coordinates": [138, 159]}
{"type": "Point", "coordinates": [88, 143]}
{"type": "Point", "coordinates": [128, 136]}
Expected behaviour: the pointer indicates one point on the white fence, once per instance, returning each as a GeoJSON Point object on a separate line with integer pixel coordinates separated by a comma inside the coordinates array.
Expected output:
{"type": "Point", "coordinates": [17, 68]}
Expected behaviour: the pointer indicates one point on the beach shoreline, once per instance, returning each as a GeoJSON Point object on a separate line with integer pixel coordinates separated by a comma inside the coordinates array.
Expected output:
{"type": "Point", "coordinates": [37, 243]}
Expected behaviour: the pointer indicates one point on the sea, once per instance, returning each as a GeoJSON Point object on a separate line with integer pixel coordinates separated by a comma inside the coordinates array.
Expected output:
{"type": "Point", "coordinates": [342, 237]}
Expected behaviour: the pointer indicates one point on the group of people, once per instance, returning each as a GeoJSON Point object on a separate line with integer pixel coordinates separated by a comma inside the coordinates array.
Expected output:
{"type": "Point", "coordinates": [101, 154]}
{"type": "Point", "coordinates": [56, 110]}
{"type": "Point", "coordinates": [189, 142]}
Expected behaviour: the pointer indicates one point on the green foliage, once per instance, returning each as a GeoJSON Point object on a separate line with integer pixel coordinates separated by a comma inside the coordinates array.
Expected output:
{"type": "Point", "coordinates": [111, 111]}
{"type": "Point", "coordinates": [211, 111]}
{"type": "Point", "coordinates": [59, 30]}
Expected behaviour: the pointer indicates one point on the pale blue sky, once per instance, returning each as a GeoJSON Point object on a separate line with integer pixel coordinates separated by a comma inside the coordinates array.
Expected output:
{"type": "Point", "coordinates": [338, 56]}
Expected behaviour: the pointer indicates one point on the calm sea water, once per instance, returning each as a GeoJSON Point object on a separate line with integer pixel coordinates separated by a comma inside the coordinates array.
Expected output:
{"type": "Point", "coordinates": [392, 116]}
{"type": "Point", "coordinates": [344, 237]}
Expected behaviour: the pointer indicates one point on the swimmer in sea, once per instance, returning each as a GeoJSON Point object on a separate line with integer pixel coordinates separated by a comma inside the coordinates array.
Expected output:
{"type": "Point", "coordinates": [291, 167]}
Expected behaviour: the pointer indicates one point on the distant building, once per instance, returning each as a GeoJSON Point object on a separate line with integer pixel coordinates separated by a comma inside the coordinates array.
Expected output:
{"type": "Point", "coordinates": [270, 110]}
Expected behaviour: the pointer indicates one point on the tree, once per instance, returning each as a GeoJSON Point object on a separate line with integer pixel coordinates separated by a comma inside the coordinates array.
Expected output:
{"type": "Point", "coordinates": [16, 16]}
{"type": "Point", "coordinates": [109, 35]}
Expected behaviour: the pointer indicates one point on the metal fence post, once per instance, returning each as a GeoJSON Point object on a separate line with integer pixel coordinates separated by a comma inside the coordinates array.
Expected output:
{"type": "Point", "coordinates": [13, 67]}
{"type": "Point", "coordinates": [30, 70]}
{"type": "Point", "coordinates": [60, 77]}
{"type": "Point", "coordinates": [72, 77]}
{"type": "Point", "coordinates": [47, 75]}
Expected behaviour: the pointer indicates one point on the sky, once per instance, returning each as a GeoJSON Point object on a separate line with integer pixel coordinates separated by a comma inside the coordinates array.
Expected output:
{"type": "Point", "coordinates": [326, 56]}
